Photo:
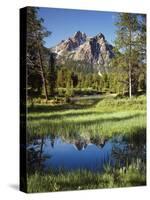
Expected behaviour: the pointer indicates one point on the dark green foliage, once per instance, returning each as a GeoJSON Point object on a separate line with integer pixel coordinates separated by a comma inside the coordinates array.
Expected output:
{"type": "Point", "coordinates": [36, 53]}
{"type": "Point", "coordinates": [74, 78]}
{"type": "Point", "coordinates": [52, 74]}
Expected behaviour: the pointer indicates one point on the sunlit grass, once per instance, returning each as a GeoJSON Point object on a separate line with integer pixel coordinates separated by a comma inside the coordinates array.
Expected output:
{"type": "Point", "coordinates": [108, 117]}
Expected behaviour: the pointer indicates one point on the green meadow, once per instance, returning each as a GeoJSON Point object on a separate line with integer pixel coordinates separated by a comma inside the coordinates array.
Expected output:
{"type": "Point", "coordinates": [107, 117]}
{"type": "Point", "coordinates": [104, 118]}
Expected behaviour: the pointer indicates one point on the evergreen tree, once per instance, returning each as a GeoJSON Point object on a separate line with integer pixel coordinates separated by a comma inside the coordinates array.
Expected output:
{"type": "Point", "coordinates": [52, 74]}
{"type": "Point", "coordinates": [69, 88]}
{"type": "Point", "coordinates": [119, 72]}
{"type": "Point", "coordinates": [142, 51]}
{"type": "Point", "coordinates": [35, 49]}
{"type": "Point", "coordinates": [74, 78]}
{"type": "Point", "coordinates": [126, 41]}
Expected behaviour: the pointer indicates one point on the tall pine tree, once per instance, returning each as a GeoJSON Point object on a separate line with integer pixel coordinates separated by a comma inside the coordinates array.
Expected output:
{"type": "Point", "coordinates": [36, 33]}
{"type": "Point", "coordinates": [126, 42]}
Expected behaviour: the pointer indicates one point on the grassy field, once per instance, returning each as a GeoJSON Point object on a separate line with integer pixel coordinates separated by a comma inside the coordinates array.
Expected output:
{"type": "Point", "coordinates": [105, 118]}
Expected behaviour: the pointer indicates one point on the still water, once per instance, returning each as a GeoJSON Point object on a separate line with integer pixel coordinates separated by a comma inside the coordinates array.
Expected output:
{"type": "Point", "coordinates": [55, 153]}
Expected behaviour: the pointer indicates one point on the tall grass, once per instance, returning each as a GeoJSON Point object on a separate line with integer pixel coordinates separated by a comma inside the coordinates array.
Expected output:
{"type": "Point", "coordinates": [82, 179]}
{"type": "Point", "coordinates": [107, 118]}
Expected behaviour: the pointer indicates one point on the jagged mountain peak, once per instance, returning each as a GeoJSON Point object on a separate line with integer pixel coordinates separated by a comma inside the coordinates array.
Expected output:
{"type": "Point", "coordinates": [79, 34]}
{"type": "Point", "coordinates": [80, 47]}
{"type": "Point", "coordinates": [100, 35]}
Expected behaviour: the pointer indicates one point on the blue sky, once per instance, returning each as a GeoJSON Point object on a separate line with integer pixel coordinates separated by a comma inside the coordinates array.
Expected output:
{"type": "Point", "coordinates": [63, 23]}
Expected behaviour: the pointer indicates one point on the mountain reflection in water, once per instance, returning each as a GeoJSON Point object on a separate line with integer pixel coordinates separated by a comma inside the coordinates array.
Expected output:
{"type": "Point", "coordinates": [55, 153]}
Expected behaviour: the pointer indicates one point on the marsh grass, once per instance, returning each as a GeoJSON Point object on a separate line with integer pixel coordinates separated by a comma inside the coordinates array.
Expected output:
{"type": "Point", "coordinates": [131, 175]}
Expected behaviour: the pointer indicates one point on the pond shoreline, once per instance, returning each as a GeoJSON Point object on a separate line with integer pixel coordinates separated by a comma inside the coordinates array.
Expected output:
{"type": "Point", "coordinates": [101, 118]}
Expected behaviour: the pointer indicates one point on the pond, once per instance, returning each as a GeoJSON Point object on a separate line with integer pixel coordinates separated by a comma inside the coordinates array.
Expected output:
{"type": "Point", "coordinates": [94, 154]}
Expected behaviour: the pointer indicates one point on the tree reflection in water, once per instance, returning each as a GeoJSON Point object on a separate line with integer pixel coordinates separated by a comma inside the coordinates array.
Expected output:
{"type": "Point", "coordinates": [96, 152]}
{"type": "Point", "coordinates": [35, 156]}
{"type": "Point", "coordinates": [133, 150]}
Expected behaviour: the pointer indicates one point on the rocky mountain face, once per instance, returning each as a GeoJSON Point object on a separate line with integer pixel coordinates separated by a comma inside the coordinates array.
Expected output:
{"type": "Point", "coordinates": [94, 51]}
